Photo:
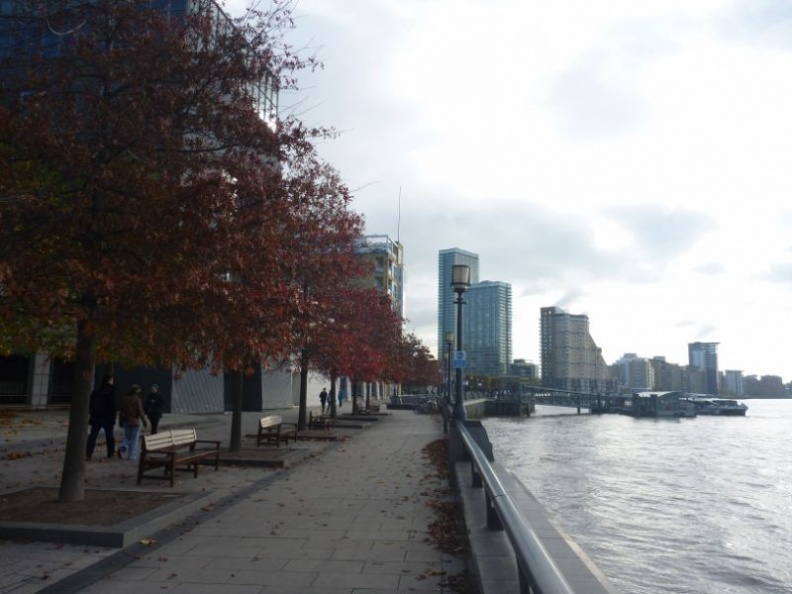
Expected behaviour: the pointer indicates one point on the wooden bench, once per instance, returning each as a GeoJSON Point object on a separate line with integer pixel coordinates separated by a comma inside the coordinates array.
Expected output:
{"type": "Point", "coordinates": [319, 421]}
{"type": "Point", "coordinates": [178, 448]}
{"type": "Point", "coordinates": [272, 429]}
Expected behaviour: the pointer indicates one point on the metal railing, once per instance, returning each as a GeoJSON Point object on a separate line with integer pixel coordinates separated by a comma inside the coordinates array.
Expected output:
{"type": "Point", "coordinates": [538, 573]}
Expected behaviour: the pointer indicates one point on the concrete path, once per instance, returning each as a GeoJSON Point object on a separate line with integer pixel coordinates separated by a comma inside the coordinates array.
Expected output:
{"type": "Point", "coordinates": [352, 517]}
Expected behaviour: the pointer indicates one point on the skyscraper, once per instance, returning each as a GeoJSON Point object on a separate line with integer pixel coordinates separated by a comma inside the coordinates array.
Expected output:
{"type": "Point", "coordinates": [487, 323]}
{"type": "Point", "coordinates": [704, 356]}
{"type": "Point", "coordinates": [571, 360]}
{"type": "Point", "coordinates": [446, 310]}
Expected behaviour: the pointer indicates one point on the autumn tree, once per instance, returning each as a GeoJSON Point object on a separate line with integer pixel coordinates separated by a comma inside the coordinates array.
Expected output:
{"type": "Point", "coordinates": [415, 365]}
{"type": "Point", "coordinates": [360, 327]}
{"type": "Point", "coordinates": [372, 336]}
{"type": "Point", "coordinates": [321, 255]}
{"type": "Point", "coordinates": [141, 212]}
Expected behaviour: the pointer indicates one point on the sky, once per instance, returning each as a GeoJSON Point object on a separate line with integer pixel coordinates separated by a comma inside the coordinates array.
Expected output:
{"type": "Point", "coordinates": [625, 160]}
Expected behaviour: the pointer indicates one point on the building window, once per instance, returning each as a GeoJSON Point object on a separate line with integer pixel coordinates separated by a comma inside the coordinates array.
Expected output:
{"type": "Point", "coordinates": [14, 379]}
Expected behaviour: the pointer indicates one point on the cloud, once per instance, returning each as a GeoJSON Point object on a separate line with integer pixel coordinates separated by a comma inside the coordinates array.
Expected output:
{"type": "Point", "coordinates": [591, 101]}
{"type": "Point", "coordinates": [660, 234]}
{"type": "Point", "coordinates": [711, 268]}
{"type": "Point", "coordinates": [762, 22]}
{"type": "Point", "coordinates": [570, 298]}
{"type": "Point", "coordinates": [704, 331]}
{"type": "Point", "coordinates": [781, 273]}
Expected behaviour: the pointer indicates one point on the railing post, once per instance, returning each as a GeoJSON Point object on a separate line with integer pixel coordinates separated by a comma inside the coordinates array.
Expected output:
{"type": "Point", "coordinates": [493, 519]}
{"type": "Point", "coordinates": [475, 477]}
{"type": "Point", "coordinates": [525, 583]}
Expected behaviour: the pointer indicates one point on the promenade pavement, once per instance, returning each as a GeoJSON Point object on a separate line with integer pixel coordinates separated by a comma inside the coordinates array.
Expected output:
{"type": "Point", "coordinates": [349, 516]}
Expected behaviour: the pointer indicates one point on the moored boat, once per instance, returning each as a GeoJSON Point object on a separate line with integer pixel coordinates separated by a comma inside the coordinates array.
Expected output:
{"type": "Point", "coordinates": [724, 407]}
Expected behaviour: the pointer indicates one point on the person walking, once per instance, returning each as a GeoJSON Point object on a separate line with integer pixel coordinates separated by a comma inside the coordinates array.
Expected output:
{"type": "Point", "coordinates": [102, 414]}
{"type": "Point", "coordinates": [153, 407]}
{"type": "Point", "coordinates": [131, 417]}
{"type": "Point", "coordinates": [323, 399]}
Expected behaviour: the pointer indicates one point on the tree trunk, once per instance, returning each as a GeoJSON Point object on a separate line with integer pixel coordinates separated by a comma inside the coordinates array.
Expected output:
{"type": "Point", "coordinates": [303, 412]}
{"type": "Point", "coordinates": [353, 389]}
{"type": "Point", "coordinates": [237, 396]}
{"type": "Point", "coordinates": [332, 396]}
{"type": "Point", "coordinates": [72, 486]}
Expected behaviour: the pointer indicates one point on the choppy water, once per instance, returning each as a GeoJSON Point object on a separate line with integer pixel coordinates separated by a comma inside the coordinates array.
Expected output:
{"type": "Point", "coordinates": [694, 506]}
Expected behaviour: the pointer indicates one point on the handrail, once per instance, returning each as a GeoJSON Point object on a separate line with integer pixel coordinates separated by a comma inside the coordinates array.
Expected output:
{"type": "Point", "coordinates": [538, 572]}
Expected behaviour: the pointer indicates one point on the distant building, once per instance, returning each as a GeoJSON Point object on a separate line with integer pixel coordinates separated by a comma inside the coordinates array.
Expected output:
{"type": "Point", "coordinates": [668, 377]}
{"type": "Point", "coordinates": [487, 328]}
{"type": "Point", "coordinates": [523, 368]}
{"type": "Point", "coordinates": [446, 309]}
{"type": "Point", "coordinates": [733, 383]}
{"type": "Point", "coordinates": [694, 380]}
{"type": "Point", "coordinates": [766, 386]}
{"type": "Point", "coordinates": [636, 374]}
{"type": "Point", "coordinates": [386, 270]}
{"type": "Point", "coordinates": [571, 360]}
{"type": "Point", "coordinates": [704, 356]}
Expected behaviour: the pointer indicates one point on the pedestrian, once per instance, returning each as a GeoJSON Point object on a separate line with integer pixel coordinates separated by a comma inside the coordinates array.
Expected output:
{"type": "Point", "coordinates": [102, 413]}
{"type": "Point", "coordinates": [341, 398]}
{"type": "Point", "coordinates": [323, 399]}
{"type": "Point", "coordinates": [153, 407]}
{"type": "Point", "coordinates": [131, 417]}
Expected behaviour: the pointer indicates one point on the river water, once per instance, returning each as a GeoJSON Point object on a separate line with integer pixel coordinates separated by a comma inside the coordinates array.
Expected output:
{"type": "Point", "coordinates": [694, 506]}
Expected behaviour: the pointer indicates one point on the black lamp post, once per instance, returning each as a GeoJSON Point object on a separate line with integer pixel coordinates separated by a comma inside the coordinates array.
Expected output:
{"type": "Point", "coordinates": [449, 345]}
{"type": "Point", "coordinates": [460, 281]}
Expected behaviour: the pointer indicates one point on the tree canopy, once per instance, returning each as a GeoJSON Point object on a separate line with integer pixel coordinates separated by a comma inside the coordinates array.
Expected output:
{"type": "Point", "coordinates": [143, 213]}
{"type": "Point", "coordinates": [155, 210]}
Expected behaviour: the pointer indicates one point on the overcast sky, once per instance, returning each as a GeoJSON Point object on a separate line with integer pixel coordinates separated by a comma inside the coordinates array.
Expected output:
{"type": "Point", "coordinates": [630, 160]}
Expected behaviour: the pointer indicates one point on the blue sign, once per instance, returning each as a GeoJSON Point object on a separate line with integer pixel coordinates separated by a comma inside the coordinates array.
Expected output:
{"type": "Point", "coordinates": [459, 360]}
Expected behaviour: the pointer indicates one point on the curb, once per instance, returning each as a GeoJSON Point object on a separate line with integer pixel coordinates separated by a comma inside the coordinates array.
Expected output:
{"type": "Point", "coordinates": [119, 535]}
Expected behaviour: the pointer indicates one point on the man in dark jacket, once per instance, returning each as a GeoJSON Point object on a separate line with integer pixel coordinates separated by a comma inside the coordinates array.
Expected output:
{"type": "Point", "coordinates": [102, 410]}
{"type": "Point", "coordinates": [153, 407]}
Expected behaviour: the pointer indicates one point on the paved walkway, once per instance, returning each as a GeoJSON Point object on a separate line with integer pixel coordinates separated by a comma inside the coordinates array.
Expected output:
{"type": "Point", "coordinates": [352, 517]}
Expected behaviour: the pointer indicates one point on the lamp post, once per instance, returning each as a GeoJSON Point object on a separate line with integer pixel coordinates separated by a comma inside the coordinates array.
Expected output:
{"type": "Point", "coordinates": [449, 337]}
{"type": "Point", "coordinates": [460, 281]}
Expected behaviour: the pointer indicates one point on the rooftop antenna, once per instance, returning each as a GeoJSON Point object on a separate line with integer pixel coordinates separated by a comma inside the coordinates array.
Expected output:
{"type": "Point", "coordinates": [398, 220]}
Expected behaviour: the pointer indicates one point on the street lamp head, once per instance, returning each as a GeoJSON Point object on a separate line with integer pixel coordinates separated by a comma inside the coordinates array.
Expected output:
{"type": "Point", "coordinates": [460, 277]}
{"type": "Point", "coordinates": [449, 338]}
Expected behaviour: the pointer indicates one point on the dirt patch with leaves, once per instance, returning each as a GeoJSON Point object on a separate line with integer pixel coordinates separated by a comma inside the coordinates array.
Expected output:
{"type": "Point", "coordinates": [98, 508]}
{"type": "Point", "coordinates": [448, 531]}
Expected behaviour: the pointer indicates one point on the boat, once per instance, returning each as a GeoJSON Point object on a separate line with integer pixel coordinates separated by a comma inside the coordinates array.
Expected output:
{"type": "Point", "coordinates": [659, 404]}
{"type": "Point", "coordinates": [723, 407]}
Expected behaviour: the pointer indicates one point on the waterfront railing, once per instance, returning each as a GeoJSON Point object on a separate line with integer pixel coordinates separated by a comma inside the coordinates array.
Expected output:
{"type": "Point", "coordinates": [538, 573]}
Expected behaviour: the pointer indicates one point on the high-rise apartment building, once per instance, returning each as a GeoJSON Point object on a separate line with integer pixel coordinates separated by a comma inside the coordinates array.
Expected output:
{"type": "Point", "coordinates": [446, 309]}
{"type": "Point", "coordinates": [704, 356]}
{"type": "Point", "coordinates": [571, 360]}
{"type": "Point", "coordinates": [487, 328]}
{"type": "Point", "coordinates": [668, 377]}
{"type": "Point", "coordinates": [733, 383]}
{"type": "Point", "coordinates": [636, 373]}
{"type": "Point", "coordinates": [386, 270]}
